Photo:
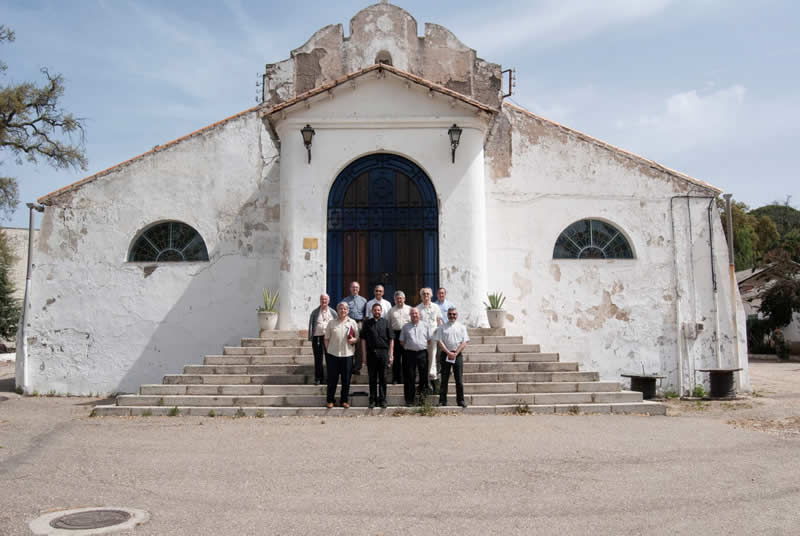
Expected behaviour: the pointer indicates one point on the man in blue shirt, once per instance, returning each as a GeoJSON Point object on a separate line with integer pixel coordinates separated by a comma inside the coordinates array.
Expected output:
{"type": "Point", "coordinates": [358, 305]}
{"type": "Point", "coordinates": [442, 302]}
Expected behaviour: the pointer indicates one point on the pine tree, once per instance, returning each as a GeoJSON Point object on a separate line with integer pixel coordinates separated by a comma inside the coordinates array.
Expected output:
{"type": "Point", "coordinates": [10, 308]}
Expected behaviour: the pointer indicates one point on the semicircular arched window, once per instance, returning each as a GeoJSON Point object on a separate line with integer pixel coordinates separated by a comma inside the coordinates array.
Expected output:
{"type": "Point", "coordinates": [592, 239]}
{"type": "Point", "coordinates": [170, 241]}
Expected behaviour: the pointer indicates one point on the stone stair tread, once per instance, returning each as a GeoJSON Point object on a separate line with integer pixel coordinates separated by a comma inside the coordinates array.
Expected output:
{"type": "Point", "coordinates": [318, 399]}
{"type": "Point", "coordinates": [645, 407]}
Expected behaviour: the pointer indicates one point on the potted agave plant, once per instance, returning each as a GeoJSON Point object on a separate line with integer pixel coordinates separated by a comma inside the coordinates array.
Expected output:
{"type": "Point", "coordinates": [268, 313]}
{"type": "Point", "coordinates": [495, 311]}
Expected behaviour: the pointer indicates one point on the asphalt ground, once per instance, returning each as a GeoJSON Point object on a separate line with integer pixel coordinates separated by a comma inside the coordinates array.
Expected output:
{"type": "Point", "coordinates": [708, 468]}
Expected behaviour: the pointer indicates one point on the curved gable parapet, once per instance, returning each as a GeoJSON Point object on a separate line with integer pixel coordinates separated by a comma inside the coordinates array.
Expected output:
{"type": "Point", "coordinates": [383, 33]}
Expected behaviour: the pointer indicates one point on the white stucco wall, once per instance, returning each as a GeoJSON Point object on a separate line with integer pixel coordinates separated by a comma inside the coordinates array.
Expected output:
{"type": "Point", "coordinates": [612, 316]}
{"type": "Point", "coordinates": [382, 114]}
{"type": "Point", "coordinates": [101, 324]}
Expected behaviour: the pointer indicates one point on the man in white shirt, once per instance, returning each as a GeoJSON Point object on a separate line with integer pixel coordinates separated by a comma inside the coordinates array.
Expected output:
{"type": "Point", "coordinates": [415, 337]}
{"type": "Point", "coordinates": [452, 338]}
{"type": "Point", "coordinates": [399, 316]}
{"type": "Point", "coordinates": [385, 305]}
{"type": "Point", "coordinates": [430, 314]}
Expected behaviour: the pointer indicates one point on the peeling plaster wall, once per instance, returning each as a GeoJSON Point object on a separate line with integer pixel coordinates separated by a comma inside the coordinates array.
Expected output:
{"type": "Point", "coordinates": [612, 316]}
{"type": "Point", "coordinates": [100, 324]}
{"type": "Point", "coordinates": [382, 114]}
{"type": "Point", "coordinates": [438, 56]}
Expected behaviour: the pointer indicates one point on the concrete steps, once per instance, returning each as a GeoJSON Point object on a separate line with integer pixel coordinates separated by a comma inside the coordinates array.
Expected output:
{"type": "Point", "coordinates": [640, 408]}
{"type": "Point", "coordinates": [301, 389]}
{"type": "Point", "coordinates": [272, 375]}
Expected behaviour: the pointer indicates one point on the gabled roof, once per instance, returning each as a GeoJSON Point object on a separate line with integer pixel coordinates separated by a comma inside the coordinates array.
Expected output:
{"type": "Point", "coordinates": [614, 149]}
{"type": "Point", "coordinates": [383, 68]}
{"type": "Point", "coordinates": [380, 68]}
{"type": "Point", "coordinates": [278, 107]}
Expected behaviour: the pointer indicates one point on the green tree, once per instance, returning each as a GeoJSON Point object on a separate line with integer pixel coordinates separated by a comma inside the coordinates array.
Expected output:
{"type": "Point", "coordinates": [35, 128]}
{"type": "Point", "coordinates": [766, 236]}
{"type": "Point", "coordinates": [781, 299]}
{"type": "Point", "coordinates": [784, 215]}
{"type": "Point", "coordinates": [10, 308]}
{"type": "Point", "coordinates": [745, 239]}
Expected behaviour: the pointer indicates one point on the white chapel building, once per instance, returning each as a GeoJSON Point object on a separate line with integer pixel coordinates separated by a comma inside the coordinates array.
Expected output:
{"type": "Point", "coordinates": [610, 259]}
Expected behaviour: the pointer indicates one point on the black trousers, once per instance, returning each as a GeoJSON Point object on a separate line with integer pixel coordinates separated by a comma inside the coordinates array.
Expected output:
{"type": "Point", "coordinates": [458, 374]}
{"type": "Point", "coordinates": [415, 361]}
{"type": "Point", "coordinates": [339, 366]}
{"type": "Point", "coordinates": [318, 346]}
{"type": "Point", "coordinates": [377, 362]}
{"type": "Point", "coordinates": [397, 364]}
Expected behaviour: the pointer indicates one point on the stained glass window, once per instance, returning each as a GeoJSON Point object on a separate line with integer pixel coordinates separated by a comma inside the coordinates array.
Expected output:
{"type": "Point", "coordinates": [592, 239]}
{"type": "Point", "coordinates": [170, 241]}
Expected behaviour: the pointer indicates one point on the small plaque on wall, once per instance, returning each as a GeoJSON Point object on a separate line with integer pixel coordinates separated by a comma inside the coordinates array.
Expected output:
{"type": "Point", "coordinates": [310, 243]}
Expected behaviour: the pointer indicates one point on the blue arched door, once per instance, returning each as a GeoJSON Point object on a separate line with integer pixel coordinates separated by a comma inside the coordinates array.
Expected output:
{"type": "Point", "coordinates": [383, 228]}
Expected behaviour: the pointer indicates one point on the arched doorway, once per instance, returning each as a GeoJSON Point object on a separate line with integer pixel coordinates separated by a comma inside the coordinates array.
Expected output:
{"type": "Point", "coordinates": [383, 228]}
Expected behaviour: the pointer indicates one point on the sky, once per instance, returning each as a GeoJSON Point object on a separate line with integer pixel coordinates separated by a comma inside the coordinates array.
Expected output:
{"type": "Point", "coordinates": [705, 87]}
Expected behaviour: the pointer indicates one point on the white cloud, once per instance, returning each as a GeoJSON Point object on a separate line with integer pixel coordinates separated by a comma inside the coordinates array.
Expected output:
{"type": "Point", "coordinates": [556, 21]}
{"type": "Point", "coordinates": [688, 120]}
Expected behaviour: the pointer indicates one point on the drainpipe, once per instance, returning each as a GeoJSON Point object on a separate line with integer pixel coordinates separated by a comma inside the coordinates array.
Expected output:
{"type": "Point", "coordinates": [22, 338]}
{"type": "Point", "coordinates": [679, 321]}
{"type": "Point", "coordinates": [734, 289]}
{"type": "Point", "coordinates": [717, 345]}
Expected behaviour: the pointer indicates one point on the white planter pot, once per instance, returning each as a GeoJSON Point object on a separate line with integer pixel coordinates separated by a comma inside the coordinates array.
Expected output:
{"type": "Point", "coordinates": [267, 321]}
{"type": "Point", "coordinates": [497, 317]}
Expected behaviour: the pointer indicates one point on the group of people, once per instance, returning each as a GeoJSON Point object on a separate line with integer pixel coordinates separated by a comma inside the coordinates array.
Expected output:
{"type": "Point", "coordinates": [425, 341]}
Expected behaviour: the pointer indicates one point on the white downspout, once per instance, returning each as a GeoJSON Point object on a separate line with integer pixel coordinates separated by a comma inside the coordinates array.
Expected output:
{"type": "Point", "coordinates": [22, 339]}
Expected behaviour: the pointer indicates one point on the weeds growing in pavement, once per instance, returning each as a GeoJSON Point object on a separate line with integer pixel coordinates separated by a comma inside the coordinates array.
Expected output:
{"type": "Point", "coordinates": [147, 413]}
{"type": "Point", "coordinates": [174, 412]}
{"type": "Point", "coordinates": [699, 392]}
{"type": "Point", "coordinates": [522, 409]}
{"type": "Point", "coordinates": [240, 413]}
{"type": "Point", "coordinates": [670, 394]}
{"type": "Point", "coordinates": [260, 415]}
{"type": "Point", "coordinates": [212, 413]}
{"type": "Point", "coordinates": [426, 409]}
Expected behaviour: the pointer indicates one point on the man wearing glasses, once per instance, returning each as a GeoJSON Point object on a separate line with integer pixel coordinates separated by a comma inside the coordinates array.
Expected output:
{"type": "Point", "coordinates": [452, 338]}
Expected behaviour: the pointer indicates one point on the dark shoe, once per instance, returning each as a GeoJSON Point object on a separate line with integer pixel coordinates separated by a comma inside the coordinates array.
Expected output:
{"type": "Point", "coordinates": [316, 382]}
{"type": "Point", "coordinates": [463, 404]}
{"type": "Point", "coordinates": [442, 402]}
{"type": "Point", "coordinates": [384, 405]}
{"type": "Point", "coordinates": [372, 405]}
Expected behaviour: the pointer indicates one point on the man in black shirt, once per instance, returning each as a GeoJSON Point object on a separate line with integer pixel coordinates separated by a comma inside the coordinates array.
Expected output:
{"type": "Point", "coordinates": [377, 345]}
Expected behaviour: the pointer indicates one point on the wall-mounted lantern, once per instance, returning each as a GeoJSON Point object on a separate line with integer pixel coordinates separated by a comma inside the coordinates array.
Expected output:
{"type": "Point", "coordinates": [308, 135]}
{"type": "Point", "coordinates": [455, 136]}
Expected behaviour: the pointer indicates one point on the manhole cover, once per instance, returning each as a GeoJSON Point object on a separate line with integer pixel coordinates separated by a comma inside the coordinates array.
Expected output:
{"type": "Point", "coordinates": [86, 521]}
{"type": "Point", "coordinates": [92, 519]}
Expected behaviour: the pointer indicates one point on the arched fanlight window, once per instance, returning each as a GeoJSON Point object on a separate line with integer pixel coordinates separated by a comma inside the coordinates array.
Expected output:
{"type": "Point", "coordinates": [592, 239]}
{"type": "Point", "coordinates": [170, 241]}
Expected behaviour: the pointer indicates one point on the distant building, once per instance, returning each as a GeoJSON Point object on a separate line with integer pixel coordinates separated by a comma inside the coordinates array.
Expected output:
{"type": "Point", "coordinates": [751, 284]}
{"type": "Point", "coordinates": [610, 259]}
